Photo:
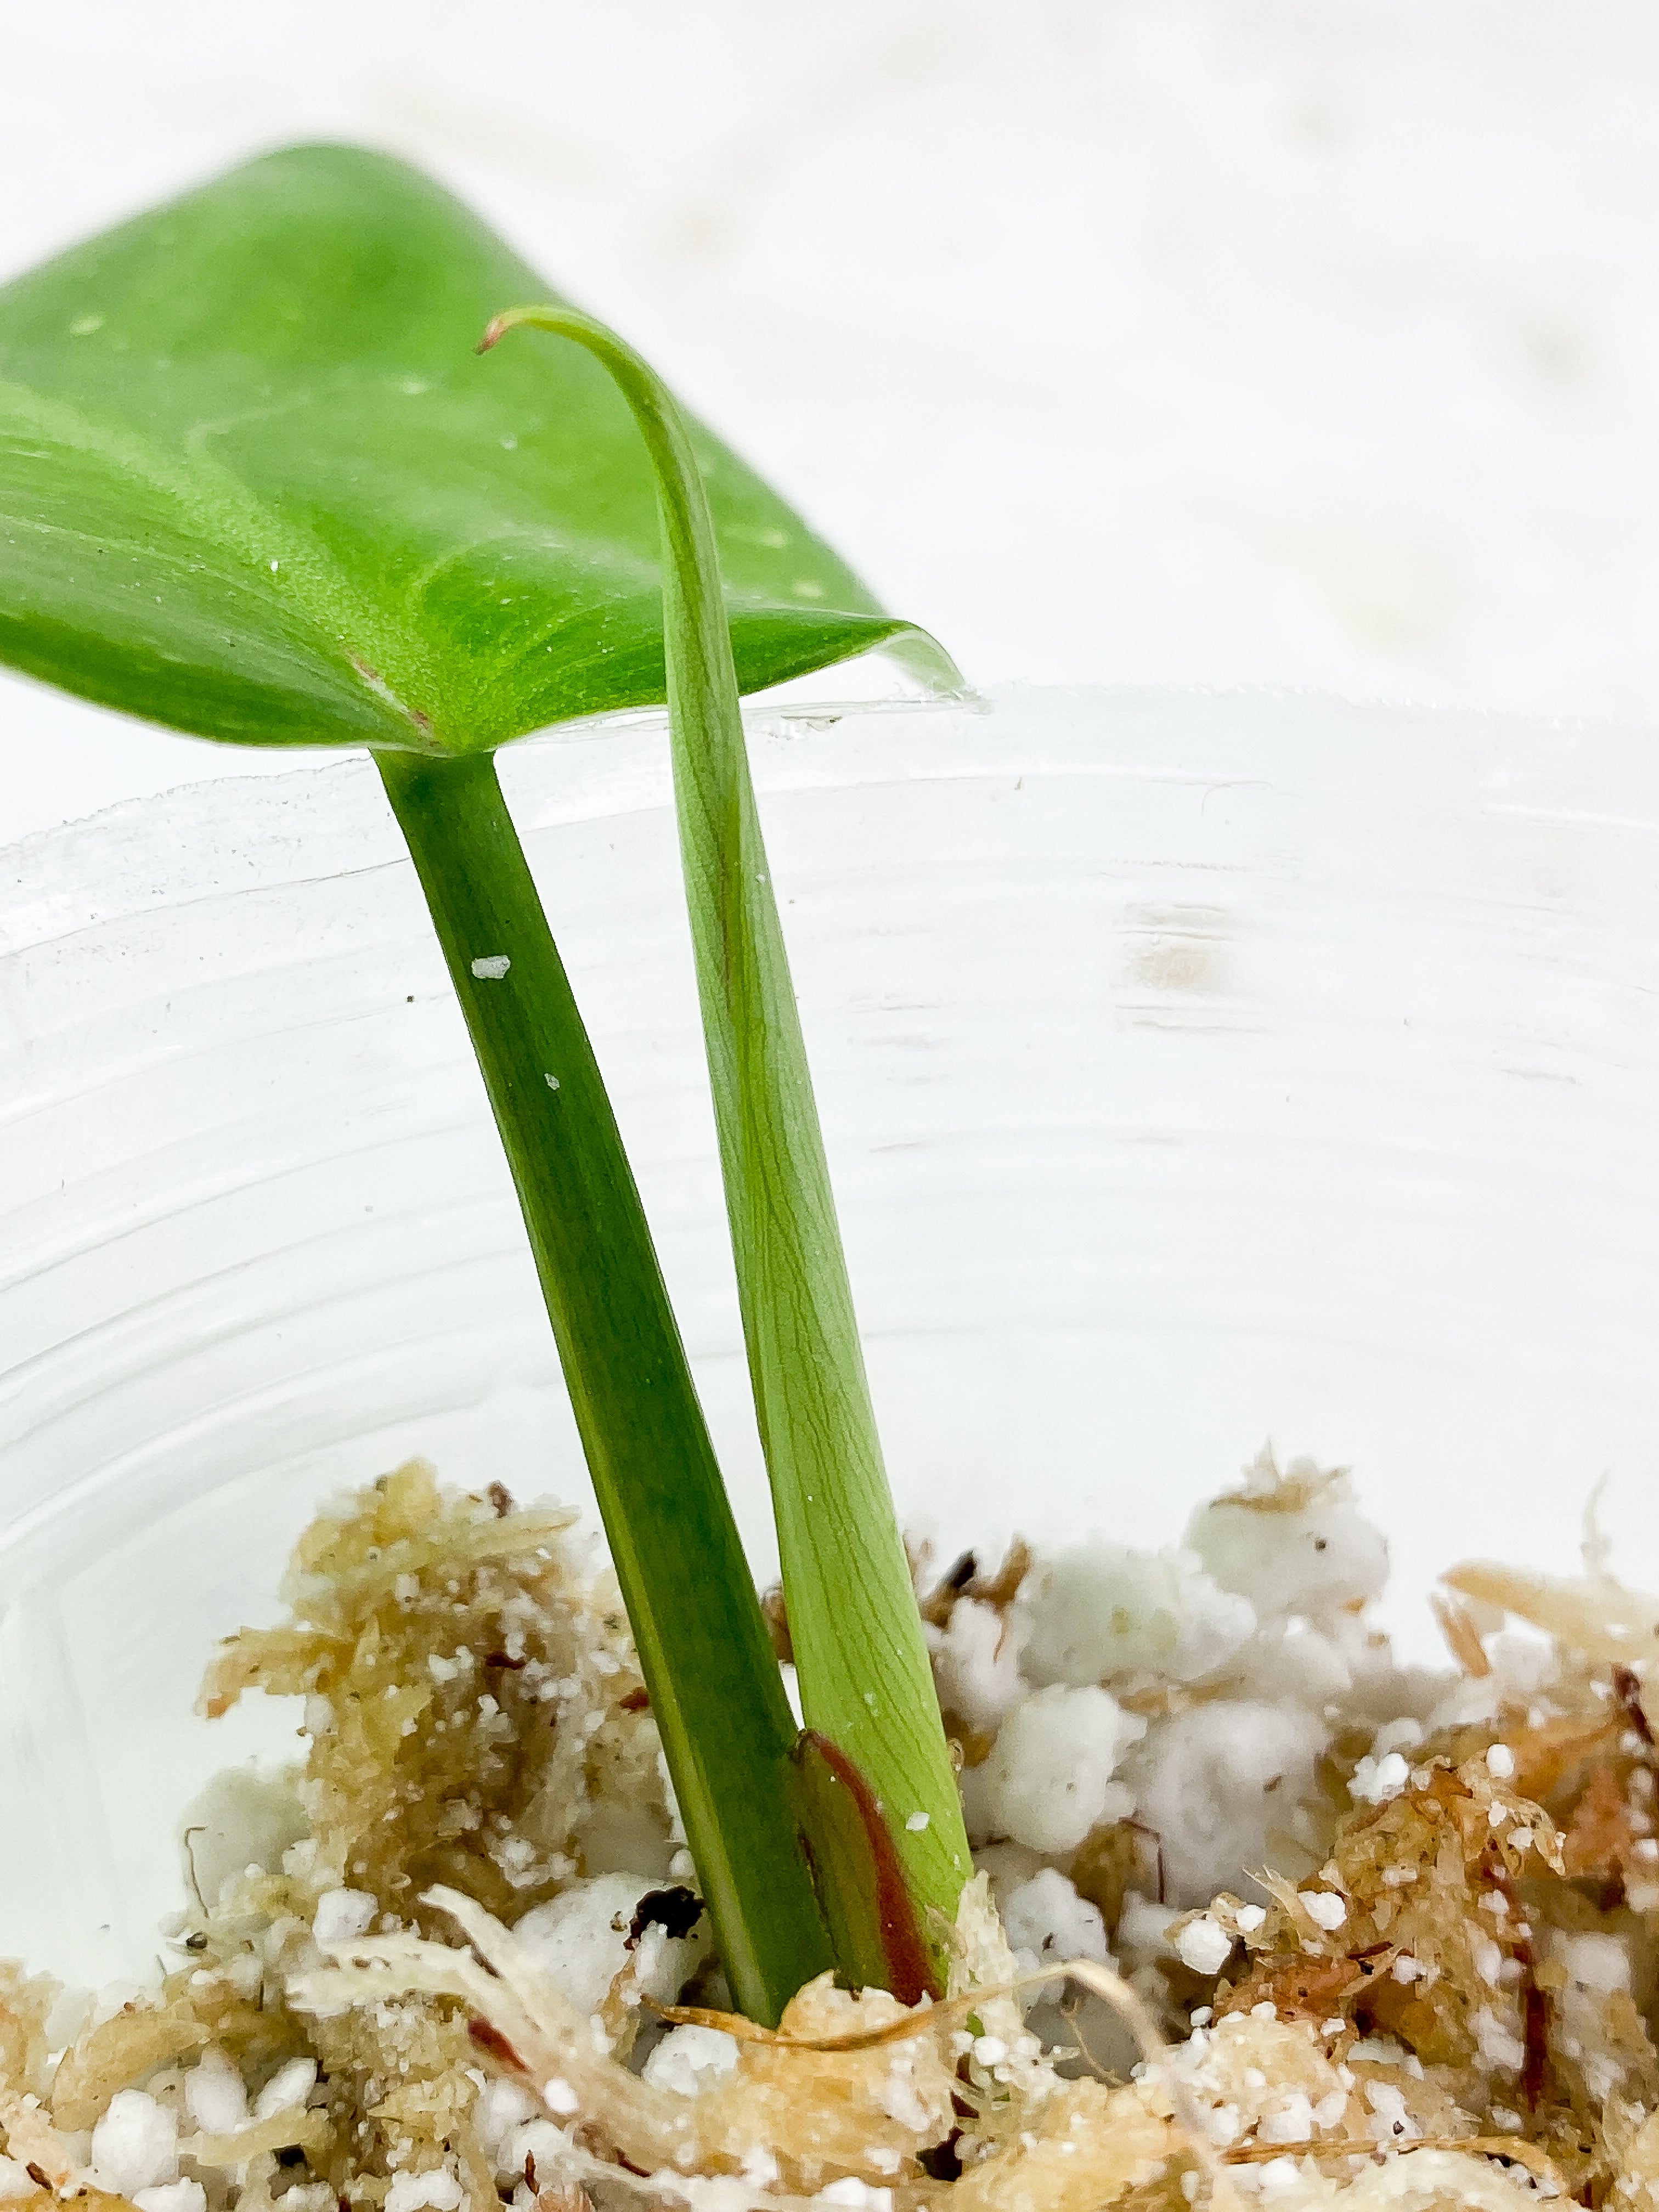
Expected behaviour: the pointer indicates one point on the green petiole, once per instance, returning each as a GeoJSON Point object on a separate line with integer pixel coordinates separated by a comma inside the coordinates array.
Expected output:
{"type": "Point", "coordinates": [709, 1667]}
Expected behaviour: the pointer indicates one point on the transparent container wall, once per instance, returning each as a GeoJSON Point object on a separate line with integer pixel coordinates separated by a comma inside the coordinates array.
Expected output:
{"type": "Point", "coordinates": [1195, 1070]}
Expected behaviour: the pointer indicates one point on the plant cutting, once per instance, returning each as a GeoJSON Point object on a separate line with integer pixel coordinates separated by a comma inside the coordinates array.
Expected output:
{"type": "Point", "coordinates": [256, 486]}
{"type": "Point", "coordinates": [290, 616]}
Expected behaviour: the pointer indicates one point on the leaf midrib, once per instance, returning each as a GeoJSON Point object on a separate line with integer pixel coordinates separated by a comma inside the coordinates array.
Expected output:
{"type": "Point", "coordinates": [215, 502]}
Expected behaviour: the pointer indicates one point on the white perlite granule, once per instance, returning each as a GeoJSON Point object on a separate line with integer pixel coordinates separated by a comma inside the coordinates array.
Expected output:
{"type": "Point", "coordinates": [538, 2139]}
{"type": "Point", "coordinates": [343, 1915]}
{"type": "Point", "coordinates": [1378, 1780]}
{"type": "Point", "coordinates": [1049, 1778]}
{"type": "Point", "coordinates": [1391, 2123]}
{"type": "Point", "coordinates": [689, 2058]}
{"type": "Point", "coordinates": [1213, 1782]}
{"type": "Point", "coordinates": [1317, 1562]}
{"type": "Point", "coordinates": [1595, 1962]}
{"type": "Point", "coordinates": [1325, 1908]}
{"type": "Point", "coordinates": [288, 2088]}
{"type": "Point", "coordinates": [1102, 1610]}
{"type": "Point", "coordinates": [215, 2097]}
{"type": "Point", "coordinates": [502, 2105]}
{"type": "Point", "coordinates": [1293, 2123]}
{"type": "Point", "coordinates": [411, 2192]}
{"type": "Point", "coordinates": [173, 2196]}
{"type": "Point", "coordinates": [1045, 1917]}
{"type": "Point", "coordinates": [976, 1661]}
{"type": "Point", "coordinates": [134, 2145]}
{"type": "Point", "coordinates": [1498, 2047]}
{"type": "Point", "coordinates": [859, 2195]}
{"type": "Point", "coordinates": [580, 1938]}
{"type": "Point", "coordinates": [1204, 1945]}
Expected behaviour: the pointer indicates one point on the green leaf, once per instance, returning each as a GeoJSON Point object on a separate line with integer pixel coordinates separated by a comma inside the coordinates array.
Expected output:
{"type": "Point", "coordinates": [253, 484]}
{"type": "Point", "coordinates": [865, 1679]}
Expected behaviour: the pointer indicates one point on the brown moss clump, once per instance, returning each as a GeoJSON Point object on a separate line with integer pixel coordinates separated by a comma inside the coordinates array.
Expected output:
{"type": "Point", "coordinates": [474, 1714]}
{"type": "Point", "coordinates": [475, 1711]}
{"type": "Point", "coordinates": [1448, 1902]}
{"type": "Point", "coordinates": [1449, 2006]}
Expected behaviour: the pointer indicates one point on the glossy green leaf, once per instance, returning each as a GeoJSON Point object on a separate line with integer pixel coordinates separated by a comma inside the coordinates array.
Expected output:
{"type": "Point", "coordinates": [865, 1679]}
{"type": "Point", "coordinates": [254, 484]}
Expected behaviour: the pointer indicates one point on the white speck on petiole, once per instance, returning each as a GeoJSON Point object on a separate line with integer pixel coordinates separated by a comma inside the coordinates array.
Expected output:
{"type": "Point", "coordinates": [492, 968]}
{"type": "Point", "coordinates": [917, 1822]}
{"type": "Point", "coordinates": [551, 1081]}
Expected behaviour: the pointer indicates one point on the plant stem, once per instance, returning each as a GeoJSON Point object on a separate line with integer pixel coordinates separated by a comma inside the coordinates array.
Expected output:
{"type": "Point", "coordinates": [866, 1678]}
{"type": "Point", "coordinates": [709, 1665]}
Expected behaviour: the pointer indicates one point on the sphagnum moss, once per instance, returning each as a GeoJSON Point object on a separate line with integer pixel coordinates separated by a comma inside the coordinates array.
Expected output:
{"type": "Point", "coordinates": [452, 1993]}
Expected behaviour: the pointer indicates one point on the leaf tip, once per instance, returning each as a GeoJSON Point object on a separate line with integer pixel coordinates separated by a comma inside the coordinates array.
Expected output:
{"type": "Point", "coordinates": [508, 319]}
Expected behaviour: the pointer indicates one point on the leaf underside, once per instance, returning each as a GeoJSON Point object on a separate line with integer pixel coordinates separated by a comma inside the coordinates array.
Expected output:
{"type": "Point", "coordinates": [254, 484]}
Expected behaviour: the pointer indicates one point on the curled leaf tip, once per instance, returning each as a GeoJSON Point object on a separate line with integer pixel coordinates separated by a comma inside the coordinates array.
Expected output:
{"type": "Point", "coordinates": [508, 319]}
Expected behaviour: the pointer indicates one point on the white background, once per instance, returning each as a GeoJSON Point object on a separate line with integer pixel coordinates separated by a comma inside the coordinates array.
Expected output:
{"type": "Point", "coordinates": [1296, 343]}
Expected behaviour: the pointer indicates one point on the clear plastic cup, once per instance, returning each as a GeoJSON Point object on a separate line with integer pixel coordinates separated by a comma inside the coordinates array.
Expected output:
{"type": "Point", "coordinates": [1195, 1070]}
